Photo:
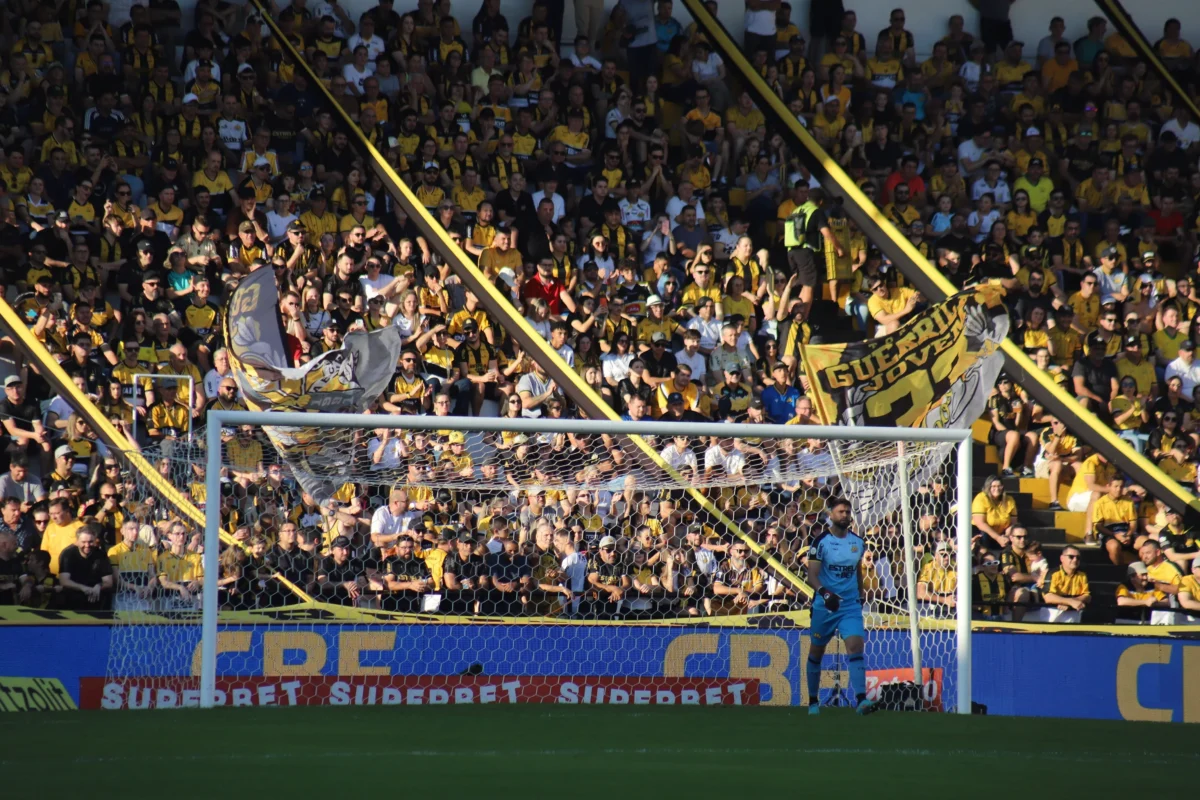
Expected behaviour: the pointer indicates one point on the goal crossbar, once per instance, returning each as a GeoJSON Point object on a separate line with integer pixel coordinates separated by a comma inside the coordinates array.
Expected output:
{"type": "Point", "coordinates": [743, 430]}
{"type": "Point", "coordinates": [218, 419]}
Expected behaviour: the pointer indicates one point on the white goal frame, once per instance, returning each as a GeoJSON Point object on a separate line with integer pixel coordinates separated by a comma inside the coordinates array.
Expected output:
{"type": "Point", "coordinates": [962, 496]}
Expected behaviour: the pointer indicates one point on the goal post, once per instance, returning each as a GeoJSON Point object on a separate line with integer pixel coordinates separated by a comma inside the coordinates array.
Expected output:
{"type": "Point", "coordinates": [889, 469]}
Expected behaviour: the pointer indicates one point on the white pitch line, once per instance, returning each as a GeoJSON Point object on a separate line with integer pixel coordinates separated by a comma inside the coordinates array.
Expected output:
{"type": "Point", "coordinates": [1134, 758]}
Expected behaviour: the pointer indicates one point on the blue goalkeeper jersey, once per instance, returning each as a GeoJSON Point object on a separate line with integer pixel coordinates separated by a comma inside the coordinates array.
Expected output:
{"type": "Point", "coordinates": [839, 557]}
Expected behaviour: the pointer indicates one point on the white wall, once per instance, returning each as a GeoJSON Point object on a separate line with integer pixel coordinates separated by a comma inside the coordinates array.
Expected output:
{"type": "Point", "coordinates": [926, 18]}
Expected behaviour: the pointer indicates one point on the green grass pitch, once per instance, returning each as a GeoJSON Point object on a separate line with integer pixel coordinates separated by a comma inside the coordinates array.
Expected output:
{"type": "Point", "coordinates": [600, 751]}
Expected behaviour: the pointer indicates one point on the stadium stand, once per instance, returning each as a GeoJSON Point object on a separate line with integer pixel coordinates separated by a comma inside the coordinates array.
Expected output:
{"type": "Point", "coordinates": [629, 199]}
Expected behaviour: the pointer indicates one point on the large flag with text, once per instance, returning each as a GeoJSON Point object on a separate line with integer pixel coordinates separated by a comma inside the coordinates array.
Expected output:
{"type": "Point", "coordinates": [935, 371]}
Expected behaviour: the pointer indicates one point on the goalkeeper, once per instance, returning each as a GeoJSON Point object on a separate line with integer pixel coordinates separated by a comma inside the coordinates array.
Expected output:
{"type": "Point", "coordinates": [833, 572]}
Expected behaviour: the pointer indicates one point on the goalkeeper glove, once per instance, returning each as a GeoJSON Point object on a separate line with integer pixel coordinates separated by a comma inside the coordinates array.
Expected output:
{"type": "Point", "coordinates": [832, 601]}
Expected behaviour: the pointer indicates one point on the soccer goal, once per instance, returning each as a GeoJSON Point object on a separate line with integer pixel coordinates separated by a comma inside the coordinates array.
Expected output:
{"type": "Point", "coordinates": [428, 559]}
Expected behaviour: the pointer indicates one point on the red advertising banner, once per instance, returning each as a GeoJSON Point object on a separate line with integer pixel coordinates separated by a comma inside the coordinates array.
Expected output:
{"type": "Point", "coordinates": [330, 690]}
{"type": "Point", "coordinates": [931, 689]}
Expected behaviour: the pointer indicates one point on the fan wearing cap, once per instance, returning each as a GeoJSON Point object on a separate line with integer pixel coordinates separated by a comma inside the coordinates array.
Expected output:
{"type": "Point", "coordinates": [248, 248]}
{"type": "Point", "coordinates": [169, 417]}
{"type": "Point", "coordinates": [430, 192]}
{"type": "Point", "coordinates": [206, 86]}
{"type": "Point", "coordinates": [1010, 71]}
{"type": "Point", "coordinates": [152, 295]}
{"type": "Point", "coordinates": [1009, 415]}
{"type": "Point", "coordinates": [990, 589]}
{"type": "Point", "coordinates": [259, 182]}
{"type": "Point", "coordinates": [1113, 281]}
{"type": "Point", "coordinates": [938, 581]}
{"type": "Point", "coordinates": [1133, 363]}
{"type": "Point", "coordinates": [341, 579]}
{"type": "Point", "coordinates": [679, 454]}
{"type": "Point", "coordinates": [302, 257]}
{"type": "Point", "coordinates": [465, 576]}
{"type": "Point", "coordinates": [405, 577]}
{"type": "Point", "coordinates": [1184, 365]}
{"type": "Point", "coordinates": [1095, 377]}
{"type": "Point", "coordinates": [318, 220]}
{"type": "Point", "coordinates": [1035, 182]}
{"type": "Point", "coordinates": [830, 121]}
{"type": "Point", "coordinates": [738, 586]}
{"type": "Point", "coordinates": [1138, 591]}
{"type": "Point", "coordinates": [457, 462]}
{"type": "Point", "coordinates": [733, 394]}
{"type": "Point", "coordinates": [607, 580]}
{"type": "Point", "coordinates": [478, 365]}
{"type": "Point", "coordinates": [64, 477]}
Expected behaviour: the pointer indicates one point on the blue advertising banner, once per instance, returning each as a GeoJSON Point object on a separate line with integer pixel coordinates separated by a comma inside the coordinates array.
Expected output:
{"type": "Point", "coordinates": [1024, 674]}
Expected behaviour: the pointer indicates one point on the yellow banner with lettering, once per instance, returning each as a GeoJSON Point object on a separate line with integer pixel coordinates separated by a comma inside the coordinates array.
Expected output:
{"type": "Point", "coordinates": [935, 371]}
{"type": "Point", "coordinates": [34, 694]}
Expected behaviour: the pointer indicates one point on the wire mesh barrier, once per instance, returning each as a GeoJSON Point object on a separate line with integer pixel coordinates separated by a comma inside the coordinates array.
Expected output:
{"type": "Point", "coordinates": [449, 532]}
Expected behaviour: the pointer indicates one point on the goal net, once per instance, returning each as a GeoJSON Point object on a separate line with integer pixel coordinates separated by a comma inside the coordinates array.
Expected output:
{"type": "Point", "coordinates": [447, 560]}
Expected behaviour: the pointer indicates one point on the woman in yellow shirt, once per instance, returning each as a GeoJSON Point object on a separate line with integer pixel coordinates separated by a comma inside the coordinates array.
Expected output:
{"type": "Point", "coordinates": [1035, 334]}
{"type": "Point", "coordinates": [1110, 143]}
{"type": "Point", "coordinates": [736, 301]}
{"type": "Point", "coordinates": [1129, 413]}
{"type": "Point", "coordinates": [1020, 218]}
{"type": "Point", "coordinates": [343, 196]}
{"type": "Point", "coordinates": [837, 88]}
{"type": "Point", "coordinates": [993, 511]}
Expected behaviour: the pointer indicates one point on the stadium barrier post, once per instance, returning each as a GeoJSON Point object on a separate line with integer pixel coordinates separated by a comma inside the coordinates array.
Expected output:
{"type": "Point", "coordinates": [212, 539]}
{"type": "Point", "coordinates": [906, 530]}
{"type": "Point", "coordinates": [963, 600]}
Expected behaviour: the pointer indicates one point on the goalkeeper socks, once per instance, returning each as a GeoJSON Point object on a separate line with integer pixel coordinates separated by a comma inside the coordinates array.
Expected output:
{"type": "Point", "coordinates": [858, 675]}
{"type": "Point", "coordinates": [813, 675]}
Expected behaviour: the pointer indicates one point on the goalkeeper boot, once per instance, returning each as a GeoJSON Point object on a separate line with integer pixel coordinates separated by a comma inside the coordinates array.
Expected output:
{"type": "Point", "coordinates": [865, 707]}
{"type": "Point", "coordinates": [814, 709]}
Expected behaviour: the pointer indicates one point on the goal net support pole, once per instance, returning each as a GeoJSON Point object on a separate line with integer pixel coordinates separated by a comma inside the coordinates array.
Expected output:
{"type": "Point", "coordinates": [910, 561]}
{"type": "Point", "coordinates": [961, 494]}
{"type": "Point", "coordinates": [965, 575]}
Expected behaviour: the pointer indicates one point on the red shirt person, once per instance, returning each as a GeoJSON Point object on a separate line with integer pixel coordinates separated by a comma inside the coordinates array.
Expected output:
{"type": "Point", "coordinates": [548, 288]}
{"type": "Point", "coordinates": [907, 174]}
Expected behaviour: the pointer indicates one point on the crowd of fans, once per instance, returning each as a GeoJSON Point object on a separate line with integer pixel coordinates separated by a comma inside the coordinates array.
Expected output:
{"type": "Point", "coordinates": [639, 210]}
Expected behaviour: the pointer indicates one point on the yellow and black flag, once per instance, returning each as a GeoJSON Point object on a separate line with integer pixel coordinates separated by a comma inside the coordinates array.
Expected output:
{"type": "Point", "coordinates": [935, 371]}
{"type": "Point", "coordinates": [343, 380]}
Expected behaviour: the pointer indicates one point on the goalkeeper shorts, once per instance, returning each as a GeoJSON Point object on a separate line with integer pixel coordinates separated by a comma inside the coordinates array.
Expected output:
{"type": "Point", "coordinates": [847, 621]}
